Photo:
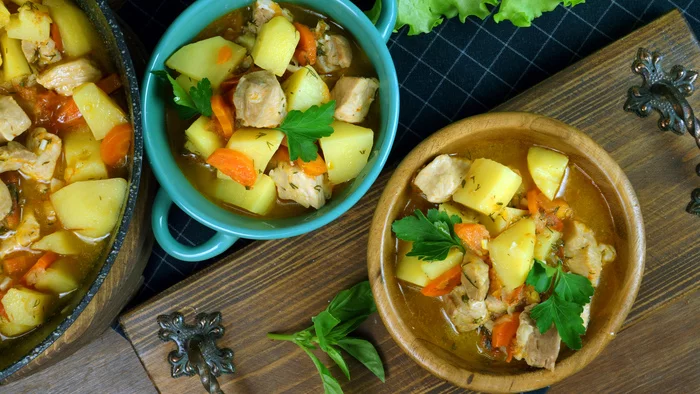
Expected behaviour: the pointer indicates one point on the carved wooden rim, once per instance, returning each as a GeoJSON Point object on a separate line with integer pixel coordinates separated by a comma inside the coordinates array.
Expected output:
{"type": "Point", "coordinates": [628, 222]}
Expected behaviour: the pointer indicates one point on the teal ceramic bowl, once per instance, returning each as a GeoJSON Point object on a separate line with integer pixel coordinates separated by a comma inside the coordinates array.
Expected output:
{"type": "Point", "coordinates": [175, 188]}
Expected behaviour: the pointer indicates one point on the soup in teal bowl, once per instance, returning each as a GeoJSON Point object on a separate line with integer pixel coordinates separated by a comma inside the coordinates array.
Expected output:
{"type": "Point", "coordinates": [212, 162]}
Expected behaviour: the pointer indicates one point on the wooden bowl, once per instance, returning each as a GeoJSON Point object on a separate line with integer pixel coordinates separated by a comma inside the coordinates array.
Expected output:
{"type": "Point", "coordinates": [611, 304]}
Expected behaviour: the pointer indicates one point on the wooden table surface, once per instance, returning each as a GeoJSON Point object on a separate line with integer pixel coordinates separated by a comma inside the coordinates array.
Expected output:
{"type": "Point", "coordinates": [279, 285]}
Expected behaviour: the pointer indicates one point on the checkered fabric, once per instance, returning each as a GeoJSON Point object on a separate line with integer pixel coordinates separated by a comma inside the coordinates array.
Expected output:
{"type": "Point", "coordinates": [458, 70]}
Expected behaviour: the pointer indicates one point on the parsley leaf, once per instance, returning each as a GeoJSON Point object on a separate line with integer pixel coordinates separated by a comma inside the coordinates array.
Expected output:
{"type": "Point", "coordinates": [540, 276]}
{"type": "Point", "coordinates": [197, 101]}
{"type": "Point", "coordinates": [566, 317]}
{"type": "Point", "coordinates": [304, 128]}
{"type": "Point", "coordinates": [432, 236]}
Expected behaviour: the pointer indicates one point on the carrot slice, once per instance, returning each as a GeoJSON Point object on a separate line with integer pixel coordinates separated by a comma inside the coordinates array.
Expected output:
{"type": "Point", "coordinates": [223, 115]}
{"type": "Point", "coordinates": [115, 146]}
{"type": "Point", "coordinates": [39, 267]}
{"type": "Point", "coordinates": [313, 168]}
{"type": "Point", "coordinates": [225, 54]}
{"type": "Point", "coordinates": [547, 213]}
{"type": "Point", "coordinates": [14, 266]}
{"type": "Point", "coordinates": [473, 235]}
{"type": "Point", "coordinates": [56, 37]}
{"type": "Point", "coordinates": [68, 113]}
{"type": "Point", "coordinates": [235, 164]}
{"type": "Point", "coordinates": [307, 47]}
{"type": "Point", "coordinates": [504, 330]}
{"type": "Point", "coordinates": [515, 295]}
{"type": "Point", "coordinates": [444, 283]}
{"type": "Point", "coordinates": [110, 83]}
{"type": "Point", "coordinates": [281, 155]}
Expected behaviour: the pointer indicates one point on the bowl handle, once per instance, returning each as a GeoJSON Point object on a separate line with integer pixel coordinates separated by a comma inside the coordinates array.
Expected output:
{"type": "Point", "coordinates": [387, 18]}
{"type": "Point", "coordinates": [216, 245]}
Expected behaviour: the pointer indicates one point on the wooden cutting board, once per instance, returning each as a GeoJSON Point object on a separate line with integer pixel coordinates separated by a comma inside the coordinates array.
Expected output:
{"type": "Point", "coordinates": [278, 285]}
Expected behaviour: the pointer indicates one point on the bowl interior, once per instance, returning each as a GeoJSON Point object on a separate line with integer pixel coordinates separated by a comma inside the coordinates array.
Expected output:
{"type": "Point", "coordinates": [181, 32]}
{"type": "Point", "coordinates": [613, 298]}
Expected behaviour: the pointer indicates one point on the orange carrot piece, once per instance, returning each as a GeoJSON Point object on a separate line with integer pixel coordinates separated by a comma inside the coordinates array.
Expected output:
{"type": "Point", "coordinates": [444, 283]}
{"type": "Point", "coordinates": [307, 47]}
{"type": "Point", "coordinates": [495, 284]}
{"type": "Point", "coordinates": [110, 83]}
{"type": "Point", "coordinates": [547, 213]}
{"type": "Point", "coordinates": [115, 146]}
{"type": "Point", "coordinates": [223, 115]}
{"type": "Point", "coordinates": [14, 266]}
{"type": "Point", "coordinates": [284, 142]}
{"type": "Point", "coordinates": [313, 168]}
{"type": "Point", "coordinates": [504, 330]}
{"type": "Point", "coordinates": [515, 295]}
{"type": "Point", "coordinates": [31, 277]}
{"type": "Point", "coordinates": [68, 113]}
{"type": "Point", "coordinates": [56, 37]}
{"type": "Point", "coordinates": [235, 164]}
{"type": "Point", "coordinates": [473, 235]}
{"type": "Point", "coordinates": [281, 155]}
{"type": "Point", "coordinates": [225, 54]}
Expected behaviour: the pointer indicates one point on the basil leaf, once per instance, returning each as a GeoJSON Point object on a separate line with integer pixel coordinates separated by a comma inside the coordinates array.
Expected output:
{"type": "Point", "coordinates": [353, 302]}
{"type": "Point", "coordinates": [330, 385]}
{"type": "Point", "coordinates": [346, 327]}
{"type": "Point", "coordinates": [335, 355]}
{"type": "Point", "coordinates": [364, 352]}
{"type": "Point", "coordinates": [323, 324]}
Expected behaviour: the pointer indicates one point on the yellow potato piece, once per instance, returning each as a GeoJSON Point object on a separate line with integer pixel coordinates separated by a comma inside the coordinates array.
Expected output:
{"type": "Point", "coordinates": [77, 32]}
{"type": "Point", "coordinates": [547, 168]}
{"type": "Point", "coordinates": [409, 269]}
{"type": "Point", "coordinates": [346, 151]}
{"type": "Point", "coordinates": [259, 199]}
{"type": "Point", "coordinates": [488, 187]}
{"type": "Point", "coordinates": [304, 89]}
{"type": "Point", "coordinates": [61, 242]}
{"type": "Point", "coordinates": [258, 144]}
{"type": "Point", "coordinates": [544, 244]}
{"type": "Point", "coordinates": [512, 253]}
{"type": "Point", "coordinates": [29, 23]}
{"type": "Point", "coordinates": [82, 155]}
{"type": "Point", "coordinates": [433, 269]}
{"type": "Point", "coordinates": [200, 60]}
{"type": "Point", "coordinates": [275, 45]}
{"type": "Point", "coordinates": [26, 306]}
{"type": "Point", "coordinates": [99, 111]}
{"type": "Point", "coordinates": [61, 277]}
{"type": "Point", "coordinates": [499, 221]}
{"type": "Point", "coordinates": [201, 140]}
{"type": "Point", "coordinates": [14, 63]}
{"type": "Point", "coordinates": [467, 215]}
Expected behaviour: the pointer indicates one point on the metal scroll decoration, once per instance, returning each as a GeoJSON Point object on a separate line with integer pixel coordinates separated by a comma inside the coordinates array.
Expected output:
{"type": "Point", "coordinates": [197, 352]}
{"type": "Point", "coordinates": [666, 93]}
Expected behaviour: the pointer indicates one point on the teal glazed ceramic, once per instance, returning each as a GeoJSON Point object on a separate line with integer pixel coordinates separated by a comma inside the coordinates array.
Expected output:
{"type": "Point", "coordinates": [175, 188]}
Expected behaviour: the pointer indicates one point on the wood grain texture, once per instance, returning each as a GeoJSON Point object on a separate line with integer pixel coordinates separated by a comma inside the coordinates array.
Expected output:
{"type": "Point", "coordinates": [108, 365]}
{"type": "Point", "coordinates": [279, 285]}
{"type": "Point", "coordinates": [122, 282]}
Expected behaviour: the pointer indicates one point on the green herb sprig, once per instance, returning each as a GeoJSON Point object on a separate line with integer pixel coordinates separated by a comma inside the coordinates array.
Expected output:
{"type": "Point", "coordinates": [303, 129]}
{"type": "Point", "coordinates": [433, 236]}
{"type": "Point", "coordinates": [197, 101]}
{"type": "Point", "coordinates": [564, 306]}
{"type": "Point", "coordinates": [330, 331]}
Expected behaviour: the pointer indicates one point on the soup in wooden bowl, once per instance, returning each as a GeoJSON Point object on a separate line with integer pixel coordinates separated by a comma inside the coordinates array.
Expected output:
{"type": "Point", "coordinates": [506, 251]}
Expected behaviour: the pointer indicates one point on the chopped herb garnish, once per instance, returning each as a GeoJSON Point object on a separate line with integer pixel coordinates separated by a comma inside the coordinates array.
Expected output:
{"type": "Point", "coordinates": [433, 236]}
{"type": "Point", "coordinates": [197, 101]}
{"type": "Point", "coordinates": [304, 128]}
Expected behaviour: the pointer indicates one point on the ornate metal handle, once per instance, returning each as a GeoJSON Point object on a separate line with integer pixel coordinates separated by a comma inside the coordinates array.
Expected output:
{"type": "Point", "coordinates": [666, 93]}
{"type": "Point", "coordinates": [197, 352]}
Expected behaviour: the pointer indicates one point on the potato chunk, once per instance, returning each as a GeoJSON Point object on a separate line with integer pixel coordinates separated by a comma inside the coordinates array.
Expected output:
{"type": "Point", "coordinates": [259, 199]}
{"type": "Point", "coordinates": [499, 221]}
{"type": "Point", "coordinates": [201, 59]}
{"type": "Point", "coordinates": [82, 154]}
{"type": "Point", "coordinates": [101, 113]}
{"type": "Point", "coordinates": [77, 32]}
{"type": "Point", "coordinates": [26, 306]}
{"type": "Point", "coordinates": [488, 186]}
{"type": "Point", "coordinates": [258, 144]}
{"type": "Point", "coordinates": [346, 151]}
{"type": "Point", "coordinates": [545, 242]}
{"type": "Point", "coordinates": [304, 89]}
{"type": "Point", "coordinates": [29, 23]}
{"type": "Point", "coordinates": [547, 168]}
{"type": "Point", "coordinates": [91, 208]}
{"type": "Point", "coordinates": [410, 269]}
{"type": "Point", "coordinates": [4, 18]}
{"type": "Point", "coordinates": [512, 253]}
{"type": "Point", "coordinates": [275, 45]}
{"type": "Point", "coordinates": [11, 330]}
{"type": "Point", "coordinates": [433, 269]}
{"type": "Point", "coordinates": [14, 63]}
{"type": "Point", "coordinates": [201, 140]}
{"type": "Point", "coordinates": [61, 242]}
{"type": "Point", "coordinates": [467, 215]}
{"type": "Point", "coordinates": [61, 277]}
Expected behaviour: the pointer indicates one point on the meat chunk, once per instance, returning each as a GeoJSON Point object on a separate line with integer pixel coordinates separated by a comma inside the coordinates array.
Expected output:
{"type": "Point", "coordinates": [47, 148]}
{"type": "Point", "coordinates": [465, 314]}
{"type": "Point", "coordinates": [353, 97]}
{"type": "Point", "coordinates": [65, 77]}
{"type": "Point", "coordinates": [441, 178]}
{"type": "Point", "coordinates": [264, 10]}
{"type": "Point", "coordinates": [475, 277]}
{"type": "Point", "coordinates": [27, 232]}
{"type": "Point", "coordinates": [42, 53]}
{"type": "Point", "coordinates": [538, 350]}
{"type": "Point", "coordinates": [14, 156]}
{"type": "Point", "coordinates": [586, 315]}
{"type": "Point", "coordinates": [334, 53]}
{"type": "Point", "coordinates": [259, 100]}
{"type": "Point", "coordinates": [495, 306]}
{"type": "Point", "coordinates": [13, 120]}
{"type": "Point", "coordinates": [582, 253]}
{"type": "Point", "coordinates": [293, 184]}
{"type": "Point", "coordinates": [5, 201]}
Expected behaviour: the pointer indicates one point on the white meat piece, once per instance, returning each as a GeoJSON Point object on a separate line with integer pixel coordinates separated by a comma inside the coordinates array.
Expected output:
{"type": "Point", "coordinates": [586, 315]}
{"type": "Point", "coordinates": [353, 96]}
{"type": "Point", "coordinates": [41, 53]}
{"type": "Point", "coordinates": [65, 77]}
{"type": "Point", "coordinates": [5, 201]}
{"type": "Point", "coordinates": [465, 314]}
{"type": "Point", "coordinates": [495, 306]}
{"type": "Point", "coordinates": [583, 255]}
{"type": "Point", "coordinates": [27, 232]}
{"type": "Point", "coordinates": [293, 184]}
{"type": "Point", "coordinates": [14, 156]}
{"type": "Point", "coordinates": [13, 120]}
{"type": "Point", "coordinates": [264, 10]}
{"type": "Point", "coordinates": [334, 53]}
{"type": "Point", "coordinates": [538, 350]}
{"type": "Point", "coordinates": [259, 100]}
{"type": "Point", "coordinates": [47, 148]}
{"type": "Point", "coordinates": [321, 28]}
{"type": "Point", "coordinates": [440, 179]}
{"type": "Point", "coordinates": [475, 277]}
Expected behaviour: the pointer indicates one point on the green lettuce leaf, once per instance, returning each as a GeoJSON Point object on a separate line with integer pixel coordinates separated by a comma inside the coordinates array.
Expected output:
{"type": "Point", "coordinates": [522, 12]}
